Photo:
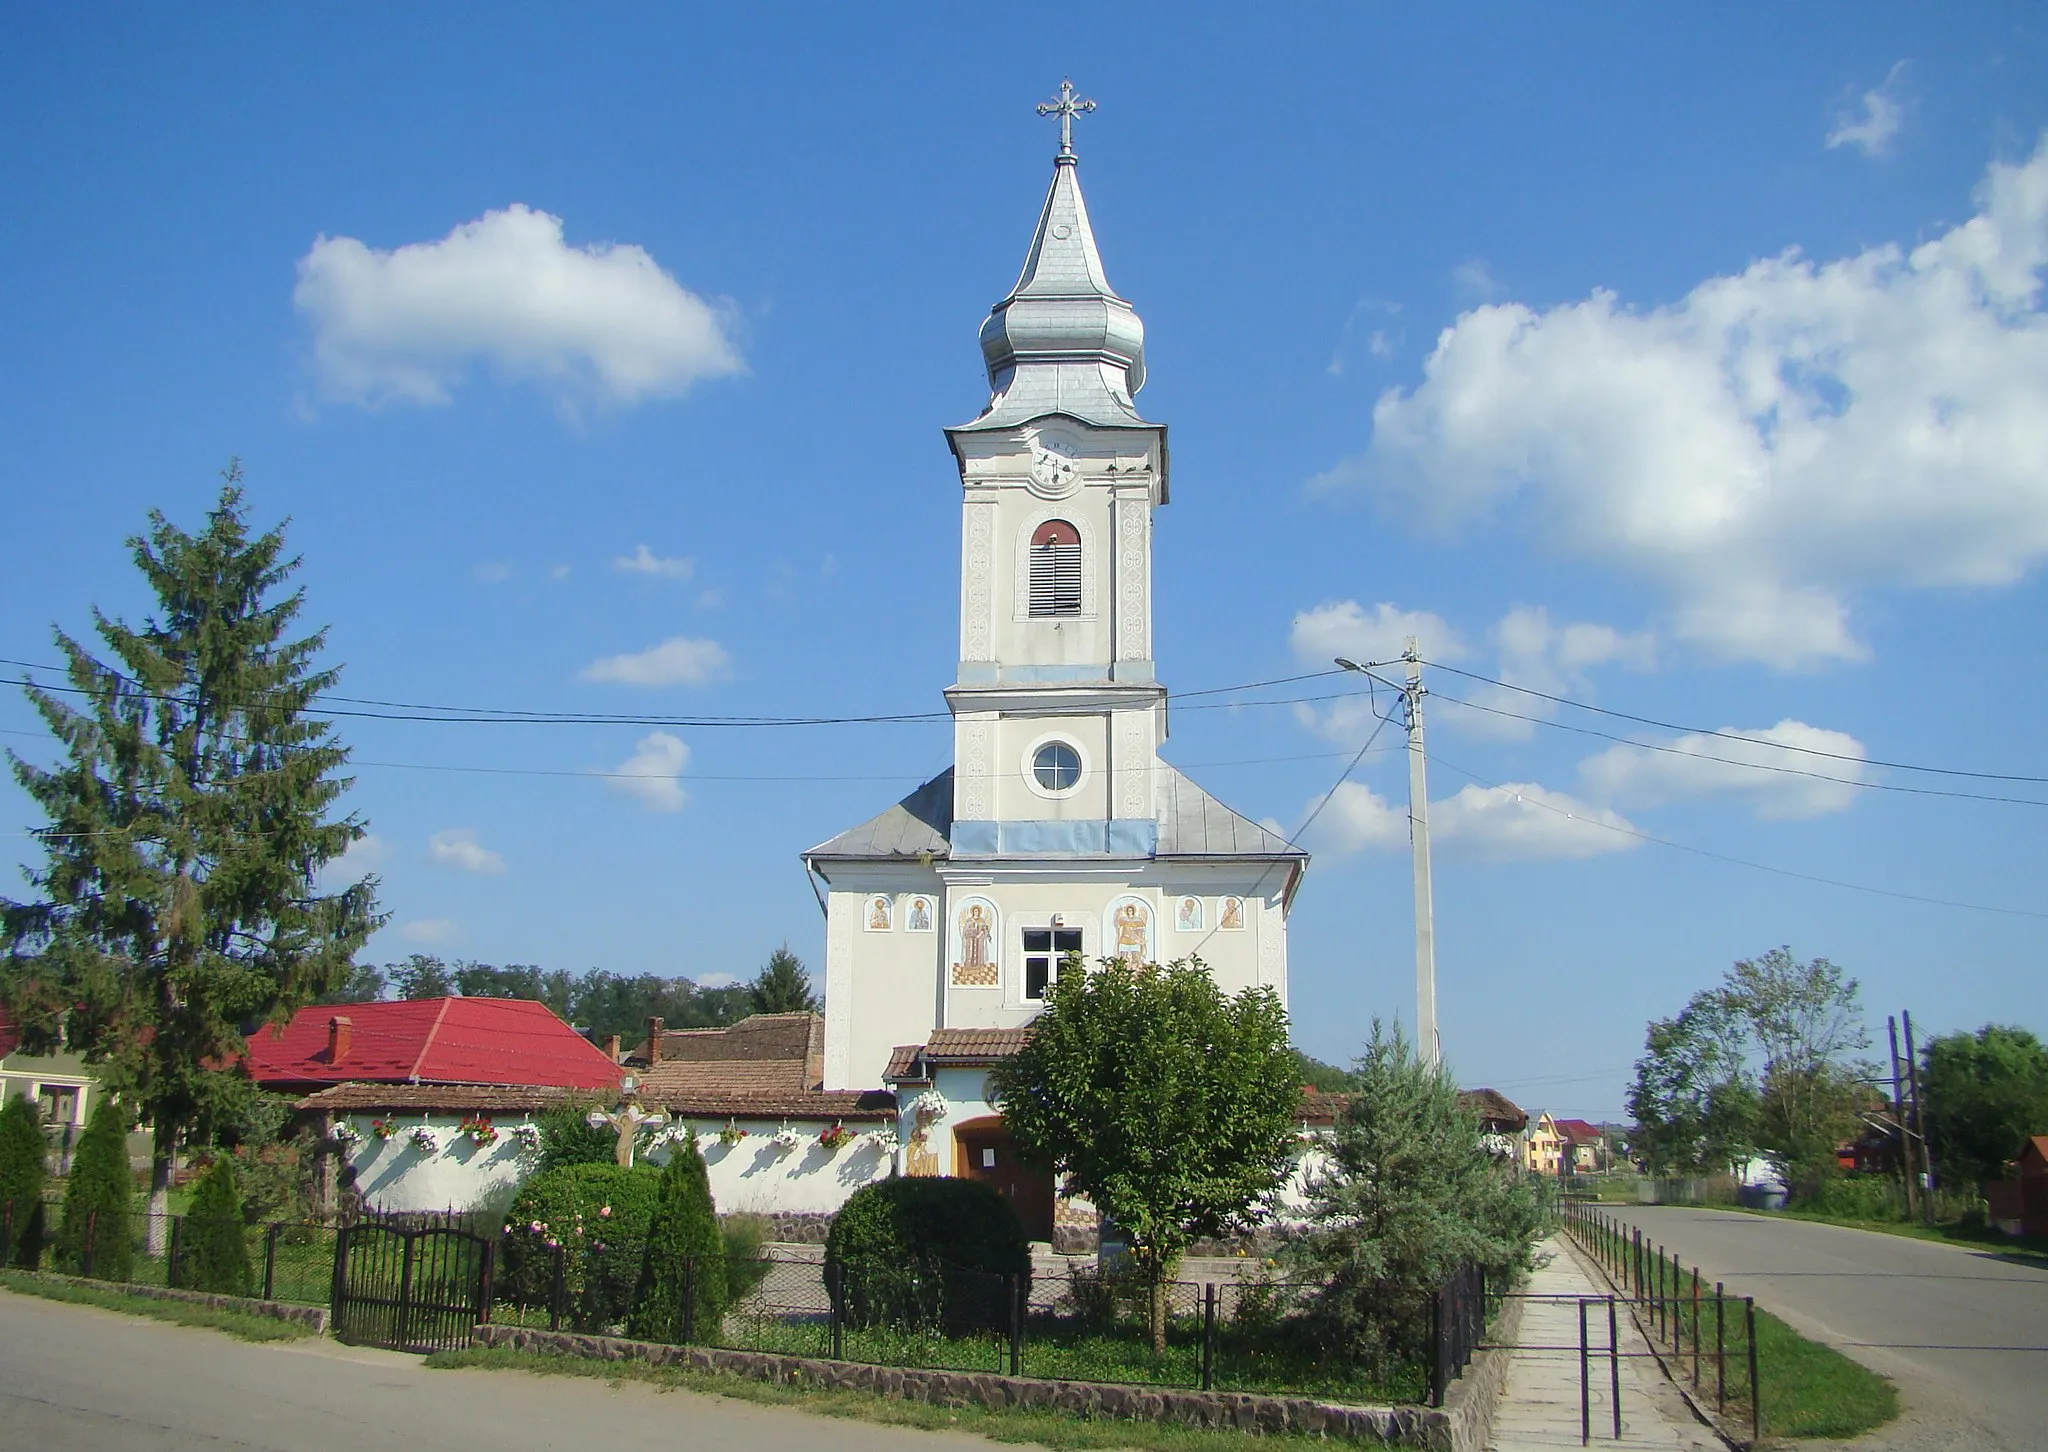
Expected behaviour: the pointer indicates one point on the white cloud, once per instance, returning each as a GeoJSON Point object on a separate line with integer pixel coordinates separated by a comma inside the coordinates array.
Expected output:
{"type": "Point", "coordinates": [1871, 126]}
{"type": "Point", "coordinates": [1770, 445]}
{"type": "Point", "coordinates": [459, 848]}
{"type": "Point", "coordinates": [1716, 767]}
{"type": "Point", "coordinates": [1475, 278]}
{"type": "Point", "coordinates": [1346, 628]}
{"type": "Point", "coordinates": [651, 773]}
{"type": "Point", "coordinates": [644, 561]}
{"type": "Point", "coordinates": [1516, 820]}
{"type": "Point", "coordinates": [602, 321]}
{"type": "Point", "coordinates": [681, 661]}
{"type": "Point", "coordinates": [491, 572]}
{"type": "Point", "coordinates": [559, 572]}
{"type": "Point", "coordinates": [710, 599]}
{"type": "Point", "coordinates": [1555, 659]}
{"type": "Point", "coordinates": [430, 931]}
{"type": "Point", "coordinates": [367, 854]}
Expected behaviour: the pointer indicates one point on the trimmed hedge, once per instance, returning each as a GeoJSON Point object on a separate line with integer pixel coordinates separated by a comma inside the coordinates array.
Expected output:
{"type": "Point", "coordinates": [213, 1253]}
{"type": "Point", "coordinates": [682, 1292]}
{"type": "Point", "coordinates": [23, 1168]}
{"type": "Point", "coordinates": [925, 1252]}
{"type": "Point", "coordinates": [599, 1216]}
{"type": "Point", "coordinates": [98, 1196]}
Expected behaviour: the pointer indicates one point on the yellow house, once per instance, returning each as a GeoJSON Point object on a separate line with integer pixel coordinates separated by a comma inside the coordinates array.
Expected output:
{"type": "Point", "coordinates": [1543, 1147]}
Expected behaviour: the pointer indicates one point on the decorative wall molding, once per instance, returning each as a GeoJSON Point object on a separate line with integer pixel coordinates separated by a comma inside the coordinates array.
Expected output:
{"type": "Point", "coordinates": [977, 563]}
{"type": "Point", "coordinates": [1134, 633]}
{"type": "Point", "coordinates": [1133, 766]}
{"type": "Point", "coordinates": [974, 783]}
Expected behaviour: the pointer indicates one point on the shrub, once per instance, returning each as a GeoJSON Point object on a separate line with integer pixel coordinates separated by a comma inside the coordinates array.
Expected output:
{"type": "Point", "coordinates": [924, 1253]}
{"type": "Point", "coordinates": [598, 1215]}
{"type": "Point", "coordinates": [566, 1138]}
{"type": "Point", "coordinates": [1856, 1197]}
{"type": "Point", "coordinates": [213, 1253]}
{"type": "Point", "coordinates": [745, 1236]}
{"type": "Point", "coordinates": [23, 1168]}
{"type": "Point", "coordinates": [98, 1195]}
{"type": "Point", "coordinates": [681, 1294]}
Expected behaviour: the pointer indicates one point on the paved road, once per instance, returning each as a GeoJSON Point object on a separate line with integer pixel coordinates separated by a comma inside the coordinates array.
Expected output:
{"type": "Point", "coordinates": [75, 1379]}
{"type": "Point", "coordinates": [1964, 1333]}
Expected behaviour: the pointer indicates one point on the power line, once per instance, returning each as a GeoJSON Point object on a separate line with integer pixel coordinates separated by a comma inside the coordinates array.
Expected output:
{"type": "Point", "coordinates": [1737, 861]}
{"type": "Point", "coordinates": [1734, 736]}
{"type": "Point", "coordinates": [1873, 786]}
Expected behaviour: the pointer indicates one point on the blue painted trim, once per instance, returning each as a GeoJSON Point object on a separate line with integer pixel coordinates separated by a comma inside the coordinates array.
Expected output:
{"type": "Point", "coordinates": [1054, 674]}
{"type": "Point", "coordinates": [1133, 837]}
{"type": "Point", "coordinates": [1080, 837]}
{"type": "Point", "coordinates": [973, 838]}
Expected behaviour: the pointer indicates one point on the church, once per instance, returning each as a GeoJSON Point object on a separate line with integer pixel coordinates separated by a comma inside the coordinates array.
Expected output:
{"type": "Point", "coordinates": [1059, 829]}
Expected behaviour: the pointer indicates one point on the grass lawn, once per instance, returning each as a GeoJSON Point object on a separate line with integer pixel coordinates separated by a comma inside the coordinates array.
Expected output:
{"type": "Point", "coordinates": [112, 1298]}
{"type": "Point", "coordinates": [1811, 1390]}
{"type": "Point", "coordinates": [1046, 1429]}
{"type": "Point", "coordinates": [2020, 1247]}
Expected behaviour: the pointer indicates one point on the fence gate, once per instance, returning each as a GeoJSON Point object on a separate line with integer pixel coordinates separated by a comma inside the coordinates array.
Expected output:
{"type": "Point", "coordinates": [410, 1289]}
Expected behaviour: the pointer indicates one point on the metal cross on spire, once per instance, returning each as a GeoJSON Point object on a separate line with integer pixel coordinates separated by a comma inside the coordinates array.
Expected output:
{"type": "Point", "coordinates": [1066, 107]}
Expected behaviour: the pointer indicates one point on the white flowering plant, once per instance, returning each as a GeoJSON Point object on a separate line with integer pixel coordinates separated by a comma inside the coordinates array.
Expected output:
{"type": "Point", "coordinates": [346, 1134]}
{"type": "Point", "coordinates": [424, 1139]}
{"type": "Point", "coordinates": [527, 1137]}
{"type": "Point", "coordinates": [786, 1139]}
{"type": "Point", "coordinates": [929, 1105]}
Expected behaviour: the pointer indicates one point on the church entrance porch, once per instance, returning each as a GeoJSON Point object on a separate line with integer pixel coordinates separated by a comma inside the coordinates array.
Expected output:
{"type": "Point", "coordinates": [983, 1150]}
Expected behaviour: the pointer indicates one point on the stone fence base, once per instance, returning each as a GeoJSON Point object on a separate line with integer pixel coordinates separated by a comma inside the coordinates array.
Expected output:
{"type": "Point", "coordinates": [1424, 1427]}
{"type": "Point", "coordinates": [793, 1227]}
{"type": "Point", "coordinates": [313, 1318]}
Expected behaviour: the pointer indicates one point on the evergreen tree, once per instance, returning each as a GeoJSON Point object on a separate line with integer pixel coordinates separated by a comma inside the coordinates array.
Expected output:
{"type": "Point", "coordinates": [685, 1229]}
{"type": "Point", "coordinates": [97, 1196]}
{"type": "Point", "coordinates": [782, 986]}
{"type": "Point", "coordinates": [1406, 1195]}
{"type": "Point", "coordinates": [178, 898]}
{"type": "Point", "coordinates": [24, 1164]}
{"type": "Point", "coordinates": [213, 1252]}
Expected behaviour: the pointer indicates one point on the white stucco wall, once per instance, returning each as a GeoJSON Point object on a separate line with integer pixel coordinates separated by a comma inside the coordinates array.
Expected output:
{"type": "Point", "coordinates": [397, 1175]}
{"type": "Point", "coordinates": [757, 1176]}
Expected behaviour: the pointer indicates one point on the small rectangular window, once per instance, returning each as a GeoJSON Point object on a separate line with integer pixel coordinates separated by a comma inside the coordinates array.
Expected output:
{"type": "Point", "coordinates": [1047, 951]}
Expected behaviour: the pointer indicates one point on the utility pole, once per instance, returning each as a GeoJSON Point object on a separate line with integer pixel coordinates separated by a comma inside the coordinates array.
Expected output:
{"type": "Point", "coordinates": [1427, 1044]}
{"type": "Point", "coordinates": [1899, 1131]}
{"type": "Point", "coordinates": [1919, 1123]}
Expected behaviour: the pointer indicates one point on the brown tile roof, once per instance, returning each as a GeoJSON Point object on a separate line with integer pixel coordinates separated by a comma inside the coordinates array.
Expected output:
{"type": "Point", "coordinates": [438, 1098]}
{"type": "Point", "coordinates": [975, 1046]}
{"type": "Point", "coordinates": [787, 1036]}
{"type": "Point", "coordinates": [1494, 1107]}
{"type": "Point", "coordinates": [1318, 1107]}
{"type": "Point", "coordinates": [903, 1064]}
{"type": "Point", "coordinates": [733, 1076]}
{"type": "Point", "coordinates": [876, 1104]}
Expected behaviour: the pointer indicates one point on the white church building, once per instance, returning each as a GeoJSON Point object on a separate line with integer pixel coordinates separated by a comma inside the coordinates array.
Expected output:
{"type": "Point", "coordinates": [1059, 829]}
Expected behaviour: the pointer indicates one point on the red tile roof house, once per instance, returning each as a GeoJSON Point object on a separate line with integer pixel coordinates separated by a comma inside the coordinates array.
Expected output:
{"type": "Point", "coordinates": [1585, 1143]}
{"type": "Point", "coordinates": [431, 1100]}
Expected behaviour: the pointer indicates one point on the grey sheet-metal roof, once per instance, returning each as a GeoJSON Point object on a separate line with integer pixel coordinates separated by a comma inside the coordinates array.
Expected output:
{"type": "Point", "coordinates": [919, 824]}
{"type": "Point", "coordinates": [1063, 341]}
{"type": "Point", "coordinates": [1194, 824]}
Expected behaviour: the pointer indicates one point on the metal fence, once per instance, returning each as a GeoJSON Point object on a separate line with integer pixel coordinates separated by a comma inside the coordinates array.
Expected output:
{"type": "Point", "coordinates": [1703, 1335]}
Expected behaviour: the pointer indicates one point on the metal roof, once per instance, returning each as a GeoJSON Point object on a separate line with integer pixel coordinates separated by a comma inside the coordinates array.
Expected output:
{"type": "Point", "coordinates": [918, 825]}
{"type": "Point", "coordinates": [1194, 824]}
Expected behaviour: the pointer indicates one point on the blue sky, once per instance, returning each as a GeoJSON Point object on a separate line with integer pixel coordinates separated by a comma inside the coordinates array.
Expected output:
{"type": "Point", "coordinates": [1692, 368]}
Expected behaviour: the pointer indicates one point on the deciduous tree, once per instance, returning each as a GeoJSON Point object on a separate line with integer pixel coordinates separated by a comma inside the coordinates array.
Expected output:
{"type": "Point", "coordinates": [1985, 1094]}
{"type": "Point", "coordinates": [1165, 1103]}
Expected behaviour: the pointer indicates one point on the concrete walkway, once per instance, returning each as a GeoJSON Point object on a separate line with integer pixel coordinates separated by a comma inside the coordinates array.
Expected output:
{"type": "Point", "coordinates": [1539, 1406]}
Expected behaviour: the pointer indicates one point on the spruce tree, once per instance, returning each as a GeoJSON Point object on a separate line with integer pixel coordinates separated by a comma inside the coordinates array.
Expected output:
{"type": "Point", "coordinates": [685, 1229]}
{"type": "Point", "coordinates": [213, 1252]}
{"type": "Point", "coordinates": [98, 1196]}
{"type": "Point", "coordinates": [782, 986]}
{"type": "Point", "coordinates": [188, 823]}
{"type": "Point", "coordinates": [24, 1164]}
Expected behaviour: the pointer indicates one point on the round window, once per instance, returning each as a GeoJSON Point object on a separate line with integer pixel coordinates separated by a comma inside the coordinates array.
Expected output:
{"type": "Point", "coordinates": [1056, 765]}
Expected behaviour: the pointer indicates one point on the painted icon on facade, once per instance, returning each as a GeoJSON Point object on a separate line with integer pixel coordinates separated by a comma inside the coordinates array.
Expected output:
{"type": "Point", "coordinates": [1130, 931]}
{"type": "Point", "coordinates": [1187, 915]}
{"type": "Point", "coordinates": [974, 958]}
{"type": "Point", "coordinates": [1230, 914]}
{"type": "Point", "coordinates": [920, 919]}
{"type": "Point", "coordinates": [881, 913]}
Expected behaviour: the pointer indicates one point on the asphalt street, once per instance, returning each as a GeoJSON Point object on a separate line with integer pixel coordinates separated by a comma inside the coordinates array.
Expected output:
{"type": "Point", "coordinates": [76, 1379]}
{"type": "Point", "coordinates": [1964, 1333]}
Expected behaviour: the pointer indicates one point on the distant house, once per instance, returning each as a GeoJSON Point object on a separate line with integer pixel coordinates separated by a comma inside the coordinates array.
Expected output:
{"type": "Point", "coordinates": [2019, 1206]}
{"type": "Point", "coordinates": [1543, 1148]}
{"type": "Point", "coordinates": [60, 1084]}
{"type": "Point", "coordinates": [1585, 1146]}
{"type": "Point", "coordinates": [424, 1100]}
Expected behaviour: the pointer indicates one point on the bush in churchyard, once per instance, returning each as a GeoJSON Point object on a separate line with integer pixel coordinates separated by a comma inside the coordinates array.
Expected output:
{"type": "Point", "coordinates": [98, 1195]}
{"type": "Point", "coordinates": [923, 1253]}
{"type": "Point", "coordinates": [682, 1277]}
{"type": "Point", "coordinates": [23, 1168]}
{"type": "Point", "coordinates": [598, 1216]}
{"type": "Point", "coordinates": [213, 1252]}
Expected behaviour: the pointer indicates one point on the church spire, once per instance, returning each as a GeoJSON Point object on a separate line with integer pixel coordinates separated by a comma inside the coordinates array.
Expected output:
{"type": "Point", "coordinates": [1063, 341]}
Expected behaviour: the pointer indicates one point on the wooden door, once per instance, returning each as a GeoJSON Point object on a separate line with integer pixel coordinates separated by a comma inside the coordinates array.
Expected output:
{"type": "Point", "coordinates": [983, 1150]}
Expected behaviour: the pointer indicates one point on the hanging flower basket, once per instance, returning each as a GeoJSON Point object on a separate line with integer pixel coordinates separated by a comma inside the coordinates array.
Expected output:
{"type": "Point", "coordinates": [731, 1135]}
{"type": "Point", "coordinates": [478, 1129]}
{"type": "Point", "coordinates": [424, 1139]}
{"type": "Point", "coordinates": [527, 1137]}
{"type": "Point", "coordinates": [929, 1105]}
{"type": "Point", "coordinates": [786, 1139]}
{"type": "Point", "coordinates": [346, 1135]}
{"type": "Point", "coordinates": [835, 1138]}
{"type": "Point", "coordinates": [383, 1128]}
{"type": "Point", "coordinates": [884, 1138]}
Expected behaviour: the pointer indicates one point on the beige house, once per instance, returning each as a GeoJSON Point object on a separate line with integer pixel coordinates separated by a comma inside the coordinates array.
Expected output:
{"type": "Point", "coordinates": [1543, 1147]}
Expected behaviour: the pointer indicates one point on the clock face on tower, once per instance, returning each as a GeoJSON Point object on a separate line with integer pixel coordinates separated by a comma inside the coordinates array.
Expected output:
{"type": "Point", "coordinates": [1053, 471]}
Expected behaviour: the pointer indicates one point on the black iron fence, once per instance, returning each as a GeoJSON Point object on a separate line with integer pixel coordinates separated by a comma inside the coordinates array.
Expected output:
{"type": "Point", "coordinates": [1698, 1331]}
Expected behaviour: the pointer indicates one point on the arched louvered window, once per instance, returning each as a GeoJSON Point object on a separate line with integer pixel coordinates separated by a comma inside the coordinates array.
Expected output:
{"type": "Point", "coordinates": [1056, 569]}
